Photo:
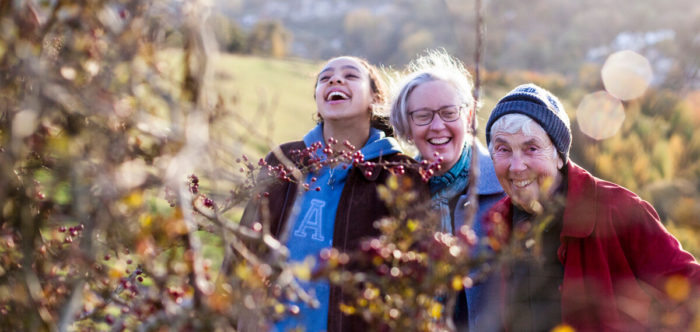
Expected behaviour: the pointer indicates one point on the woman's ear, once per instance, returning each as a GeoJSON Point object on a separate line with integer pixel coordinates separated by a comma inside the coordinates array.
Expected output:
{"type": "Point", "coordinates": [560, 163]}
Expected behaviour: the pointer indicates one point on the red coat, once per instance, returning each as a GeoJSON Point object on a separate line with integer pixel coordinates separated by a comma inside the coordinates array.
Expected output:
{"type": "Point", "coordinates": [617, 256]}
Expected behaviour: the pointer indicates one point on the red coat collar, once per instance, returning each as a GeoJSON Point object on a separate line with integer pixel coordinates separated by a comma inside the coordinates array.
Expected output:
{"type": "Point", "coordinates": [581, 197]}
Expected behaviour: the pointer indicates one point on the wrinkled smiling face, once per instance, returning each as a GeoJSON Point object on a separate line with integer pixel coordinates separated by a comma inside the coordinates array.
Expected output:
{"type": "Point", "coordinates": [343, 91]}
{"type": "Point", "coordinates": [527, 166]}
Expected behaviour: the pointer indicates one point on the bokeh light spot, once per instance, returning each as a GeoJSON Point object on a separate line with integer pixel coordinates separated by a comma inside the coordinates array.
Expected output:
{"type": "Point", "coordinates": [678, 288]}
{"type": "Point", "coordinates": [563, 328]}
{"type": "Point", "coordinates": [626, 74]}
{"type": "Point", "coordinates": [131, 173]}
{"type": "Point", "coordinates": [600, 115]}
{"type": "Point", "coordinates": [24, 123]}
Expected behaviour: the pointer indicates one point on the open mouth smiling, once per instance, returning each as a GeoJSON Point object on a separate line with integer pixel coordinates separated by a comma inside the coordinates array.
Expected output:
{"type": "Point", "coordinates": [439, 140]}
{"type": "Point", "coordinates": [336, 95]}
{"type": "Point", "coordinates": [521, 183]}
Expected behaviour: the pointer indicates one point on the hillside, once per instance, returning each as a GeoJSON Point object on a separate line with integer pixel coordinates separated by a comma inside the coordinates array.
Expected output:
{"type": "Point", "coordinates": [272, 99]}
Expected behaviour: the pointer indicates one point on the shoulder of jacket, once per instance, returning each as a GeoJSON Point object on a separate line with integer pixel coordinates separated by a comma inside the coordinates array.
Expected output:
{"type": "Point", "coordinates": [399, 157]}
{"type": "Point", "coordinates": [289, 146]}
{"type": "Point", "coordinates": [287, 149]}
{"type": "Point", "coordinates": [614, 194]}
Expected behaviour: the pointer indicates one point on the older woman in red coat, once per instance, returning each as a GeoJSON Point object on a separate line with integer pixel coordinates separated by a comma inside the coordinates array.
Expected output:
{"type": "Point", "coordinates": [603, 255]}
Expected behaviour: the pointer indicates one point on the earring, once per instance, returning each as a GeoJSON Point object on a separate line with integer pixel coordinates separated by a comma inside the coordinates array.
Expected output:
{"type": "Point", "coordinates": [317, 118]}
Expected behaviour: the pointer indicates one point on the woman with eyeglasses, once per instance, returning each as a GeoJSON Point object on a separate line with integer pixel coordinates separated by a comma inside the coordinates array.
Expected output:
{"type": "Point", "coordinates": [335, 203]}
{"type": "Point", "coordinates": [433, 109]}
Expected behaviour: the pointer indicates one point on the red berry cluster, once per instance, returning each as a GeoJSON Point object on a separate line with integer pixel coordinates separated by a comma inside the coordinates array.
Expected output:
{"type": "Point", "coordinates": [176, 294]}
{"type": "Point", "coordinates": [333, 155]}
{"type": "Point", "coordinates": [194, 184]}
{"type": "Point", "coordinates": [128, 285]}
{"type": "Point", "coordinates": [399, 170]}
{"type": "Point", "coordinates": [208, 202]}
{"type": "Point", "coordinates": [278, 172]}
{"type": "Point", "coordinates": [74, 231]}
{"type": "Point", "coordinates": [427, 169]}
{"type": "Point", "coordinates": [248, 168]}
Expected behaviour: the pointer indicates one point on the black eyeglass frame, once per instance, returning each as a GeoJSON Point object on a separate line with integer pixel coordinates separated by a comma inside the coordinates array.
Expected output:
{"type": "Point", "coordinates": [439, 113]}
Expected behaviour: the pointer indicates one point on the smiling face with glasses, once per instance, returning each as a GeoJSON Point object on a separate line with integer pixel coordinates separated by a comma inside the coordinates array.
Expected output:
{"type": "Point", "coordinates": [444, 134]}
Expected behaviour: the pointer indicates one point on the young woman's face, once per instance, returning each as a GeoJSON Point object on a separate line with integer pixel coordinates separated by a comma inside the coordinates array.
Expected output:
{"type": "Point", "coordinates": [445, 138]}
{"type": "Point", "coordinates": [527, 166]}
{"type": "Point", "coordinates": [343, 91]}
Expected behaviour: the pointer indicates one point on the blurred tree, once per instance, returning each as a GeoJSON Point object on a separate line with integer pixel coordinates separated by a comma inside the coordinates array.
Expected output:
{"type": "Point", "coordinates": [655, 150]}
{"type": "Point", "coordinates": [269, 38]}
{"type": "Point", "coordinates": [229, 35]}
{"type": "Point", "coordinates": [103, 112]}
{"type": "Point", "coordinates": [416, 42]}
{"type": "Point", "coordinates": [369, 36]}
{"type": "Point", "coordinates": [684, 74]}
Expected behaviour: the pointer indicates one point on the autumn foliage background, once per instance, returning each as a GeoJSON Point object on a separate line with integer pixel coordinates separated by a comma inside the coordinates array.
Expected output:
{"type": "Point", "coordinates": [107, 109]}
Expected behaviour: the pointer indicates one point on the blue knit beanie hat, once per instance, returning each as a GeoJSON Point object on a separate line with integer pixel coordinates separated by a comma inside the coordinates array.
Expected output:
{"type": "Point", "coordinates": [541, 106]}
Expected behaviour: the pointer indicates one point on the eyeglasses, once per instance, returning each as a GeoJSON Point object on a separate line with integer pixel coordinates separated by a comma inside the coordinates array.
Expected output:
{"type": "Point", "coordinates": [424, 116]}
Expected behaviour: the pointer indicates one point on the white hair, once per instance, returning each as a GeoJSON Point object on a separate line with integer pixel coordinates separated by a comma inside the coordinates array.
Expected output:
{"type": "Point", "coordinates": [513, 123]}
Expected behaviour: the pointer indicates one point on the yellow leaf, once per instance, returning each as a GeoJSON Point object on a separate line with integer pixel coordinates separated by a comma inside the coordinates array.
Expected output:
{"type": "Point", "coordinates": [412, 225]}
{"type": "Point", "coordinates": [392, 183]}
{"type": "Point", "coordinates": [177, 213]}
{"type": "Point", "coordinates": [302, 271]}
{"type": "Point", "coordinates": [146, 220]}
{"type": "Point", "coordinates": [347, 309]}
{"type": "Point", "coordinates": [243, 271]}
{"type": "Point", "coordinates": [409, 293]}
{"type": "Point", "coordinates": [362, 302]}
{"type": "Point", "coordinates": [384, 194]}
{"type": "Point", "coordinates": [59, 145]}
{"type": "Point", "coordinates": [563, 328]}
{"type": "Point", "coordinates": [115, 273]}
{"type": "Point", "coordinates": [678, 288]}
{"type": "Point", "coordinates": [135, 199]}
{"type": "Point", "coordinates": [457, 283]}
{"type": "Point", "coordinates": [436, 310]}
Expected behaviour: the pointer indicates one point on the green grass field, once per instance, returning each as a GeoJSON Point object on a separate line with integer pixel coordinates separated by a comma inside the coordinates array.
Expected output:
{"type": "Point", "coordinates": [272, 97]}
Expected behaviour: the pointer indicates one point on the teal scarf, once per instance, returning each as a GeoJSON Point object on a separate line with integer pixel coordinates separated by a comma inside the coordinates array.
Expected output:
{"type": "Point", "coordinates": [445, 187]}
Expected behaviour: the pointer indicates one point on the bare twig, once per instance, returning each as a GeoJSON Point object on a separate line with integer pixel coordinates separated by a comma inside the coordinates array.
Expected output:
{"type": "Point", "coordinates": [474, 167]}
{"type": "Point", "coordinates": [277, 252]}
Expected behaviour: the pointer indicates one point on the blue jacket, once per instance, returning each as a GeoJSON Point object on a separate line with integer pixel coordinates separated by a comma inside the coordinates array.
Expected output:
{"type": "Point", "coordinates": [489, 192]}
